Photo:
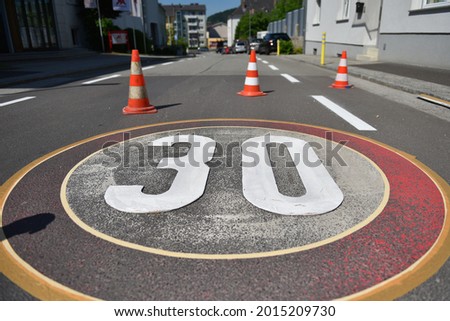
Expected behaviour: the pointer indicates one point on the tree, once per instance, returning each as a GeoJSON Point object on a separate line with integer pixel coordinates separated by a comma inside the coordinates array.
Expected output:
{"type": "Point", "coordinates": [254, 23]}
{"type": "Point", "coordinates": [90, 18]}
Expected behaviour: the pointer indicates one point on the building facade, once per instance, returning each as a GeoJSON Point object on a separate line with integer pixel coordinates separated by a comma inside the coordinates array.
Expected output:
{"type": "Point", "coordinates": [404, 31]}
{"type": "Point", "coordinates": [186, 22]}
{"type": "Point", "coordinates": [217, 34]}
{"type": "Point", "coordinates": [415, 32]}
{"type": "Point", "coordinates": [31, 25]}
{"type": "Point", "coordinates": [152, 22]}
{"type": "Point", "coordinates": [36, 25]}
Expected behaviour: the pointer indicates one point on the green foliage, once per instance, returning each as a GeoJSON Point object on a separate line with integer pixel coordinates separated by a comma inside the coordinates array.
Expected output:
{"type": "Point", "coordinates": [298, 51]}
{"type": "Point", "coordinates": [179, 48]}
{"type": "Point", "coordinates": [219, 17]}
{"type": "Point", "coordinates": [139, 45]}
{"type": "Point", "coordinates": [283, 7]}
{"type": "Point", "coordinates": [90, 18]}
{"type": "Point", "coordinates": [256, 22]}
{"type": "Point", "coordinates": [107, 25]}
{"type": "Point", "coordinates": [286, 47]}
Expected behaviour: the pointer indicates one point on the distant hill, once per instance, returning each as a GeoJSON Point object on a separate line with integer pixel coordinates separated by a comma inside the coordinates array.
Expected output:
{"type": "Point", "coordinates": [219, 17]}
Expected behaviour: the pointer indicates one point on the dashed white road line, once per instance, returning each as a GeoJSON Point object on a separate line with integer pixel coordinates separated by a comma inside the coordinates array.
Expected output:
{"type": "Point", "coordinates": [290, 78]}
{"type": "Point", "coordinates": [264, 62]}
{"type": "Point", "coordinates": [16, 101]}
{"type": "Point", "coordinates": [148, 67]}
{"type": "Point", "coordinates": [344, 114]}
{"type": "Point", "coordinates": [273, 67]}
{"type": "Point", "coordinates": [167, 63]}
{"type": "Point", "coordinates": [100, 79]}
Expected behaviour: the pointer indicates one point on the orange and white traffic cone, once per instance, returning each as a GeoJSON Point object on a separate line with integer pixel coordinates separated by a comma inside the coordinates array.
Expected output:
{"type": "Point", "coordinates": [138, 102]}
{"type": "Point", "coordinates": [251, 86]}
{"type": "Point", "coordinates": [341, 81]}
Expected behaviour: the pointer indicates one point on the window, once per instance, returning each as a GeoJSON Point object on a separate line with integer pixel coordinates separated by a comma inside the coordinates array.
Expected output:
{"type": "Point", "coordinates": [428, 4]}
{"type": "Point", "coordinates": [344, 10]}
{"type": "Point", "coordinates": [317, 7]}
{"type": "Point", "coordinates": [36, 24]}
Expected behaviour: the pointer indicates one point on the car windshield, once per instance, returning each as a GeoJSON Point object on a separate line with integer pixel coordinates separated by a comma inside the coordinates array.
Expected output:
{"type": "Point", "coordinates": [240, 44]}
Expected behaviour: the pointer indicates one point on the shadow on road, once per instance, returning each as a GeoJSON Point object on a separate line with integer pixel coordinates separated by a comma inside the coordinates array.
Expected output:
{"type": "Point", "coordinates": [28, 225]}
{"type": "Point", "coordinates": [167, 106]}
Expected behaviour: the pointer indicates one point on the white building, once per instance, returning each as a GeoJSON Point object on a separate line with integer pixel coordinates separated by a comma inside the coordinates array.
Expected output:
{"type": "Point", "coordinates": [153, 22]}
{"type": "Point", "coordinates": [404, 31]}
{"type": "Point", "coordinates": [416, 32]}
{"type": "Point", "coordinates": [189, 22]}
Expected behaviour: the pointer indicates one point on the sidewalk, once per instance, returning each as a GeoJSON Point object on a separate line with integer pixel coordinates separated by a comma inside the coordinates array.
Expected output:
{"type": "Point", "coordinates": [412, 79]}
{"type": "Point", "coordinates": [16, 69]}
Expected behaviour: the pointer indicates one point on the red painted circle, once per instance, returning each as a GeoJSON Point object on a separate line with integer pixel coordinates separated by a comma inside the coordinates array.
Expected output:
{"type": "Point", "coordinates": [399, 237]}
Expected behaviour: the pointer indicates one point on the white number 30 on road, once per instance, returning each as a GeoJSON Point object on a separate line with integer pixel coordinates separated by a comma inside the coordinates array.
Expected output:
{"type": "Point", "coordinates": [259, 185]}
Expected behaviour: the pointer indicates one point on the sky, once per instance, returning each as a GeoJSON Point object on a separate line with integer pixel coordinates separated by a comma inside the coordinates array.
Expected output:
{"type": "Point", "coordinates": [212, 6]}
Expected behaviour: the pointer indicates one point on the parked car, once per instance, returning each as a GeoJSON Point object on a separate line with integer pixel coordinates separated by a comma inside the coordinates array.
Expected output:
{"type": "Point", "coordinates": [269, 43]}
{"type": "Point", "coordinates": [240, 47]}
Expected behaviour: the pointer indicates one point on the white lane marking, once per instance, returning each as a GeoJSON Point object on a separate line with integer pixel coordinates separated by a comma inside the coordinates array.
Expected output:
{"type": "Point", "coordinates": [16, 101]}
{"type": "Point", "coordinates": [148, 67]}
{"type": "Point", "coordinates": [344, 114]}
{"type": "Point", "coordinates": [259, 59]}
{"type": "Point", "coordinates": [100, 79]}
{"type": "Point", "coordinates": [273, 67]}
{"type": "Point", "coordinates": [167, 63]}
{"type": "Point", "coordinates": [290, 78]}
{"type": "Point", "coordinates": [264, 62]}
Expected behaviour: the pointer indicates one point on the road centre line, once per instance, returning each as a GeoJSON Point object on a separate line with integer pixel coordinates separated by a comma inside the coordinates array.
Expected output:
{"type": "Point", "coordinates": [290, 78]}
{"type": "Point", "coordinates": [16, 101]}
{"type": "Point", "coordinates": [100, 79]}
{"type": "Point", "coordinates": [264, 62]}
{"type": "Point", "coordinates": [148, 67]}
{"type": "Point", "coordinates": [167, 63]}
{"type": "Point", "coordinates": [273, 67]}
{"type": "Point", "coordinates": [344, 114]}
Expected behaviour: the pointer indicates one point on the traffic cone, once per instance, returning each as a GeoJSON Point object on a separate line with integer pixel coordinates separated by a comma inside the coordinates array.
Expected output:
{"type": "Point", "coordinates": [138, 102]}
{"type": "Point", "coordinates": [341, 81]}
{"type": "Point", "coordinates": [251, 86]}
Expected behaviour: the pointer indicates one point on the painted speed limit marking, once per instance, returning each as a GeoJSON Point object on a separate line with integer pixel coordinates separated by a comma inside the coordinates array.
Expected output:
{"type": "Point", "coordinates": [227, 196]}
{"type": "Point", "coordinates": [220, 230]}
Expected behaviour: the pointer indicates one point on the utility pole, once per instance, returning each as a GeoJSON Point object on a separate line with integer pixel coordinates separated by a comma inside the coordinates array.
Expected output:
{"type": "Point", "coordinates": [100, 25]}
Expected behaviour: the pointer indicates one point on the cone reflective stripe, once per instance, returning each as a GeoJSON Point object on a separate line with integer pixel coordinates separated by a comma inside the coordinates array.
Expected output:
{"type": "Point", "coordinates": [341, 81]}
{"type": "Point", "coordinates": [251, 85]}
{"type": "Point", "coordinates": [138, 102]}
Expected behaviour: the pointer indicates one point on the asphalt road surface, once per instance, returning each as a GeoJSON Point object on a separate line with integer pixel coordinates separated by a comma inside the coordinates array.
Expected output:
{"type": "Point", "coordinates": [68, 243]}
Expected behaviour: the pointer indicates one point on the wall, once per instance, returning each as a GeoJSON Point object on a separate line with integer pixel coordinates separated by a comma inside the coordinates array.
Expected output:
{"type": "Point", "coordinates": [231, 26]}
{"type": "Point", "coordinates": [154, 18]}
{"type": "Point", "coordinates": [413, 35]}
{"type": "Point", "coordinates": [292, 24]}
{"type": "Point", "coordinates": [352, 33]}
{"type": "Point", "coordinates": [69, 26]}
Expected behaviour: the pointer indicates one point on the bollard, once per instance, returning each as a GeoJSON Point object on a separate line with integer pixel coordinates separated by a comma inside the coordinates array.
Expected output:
{"type": "Point", "coordinates": [322, 54]}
